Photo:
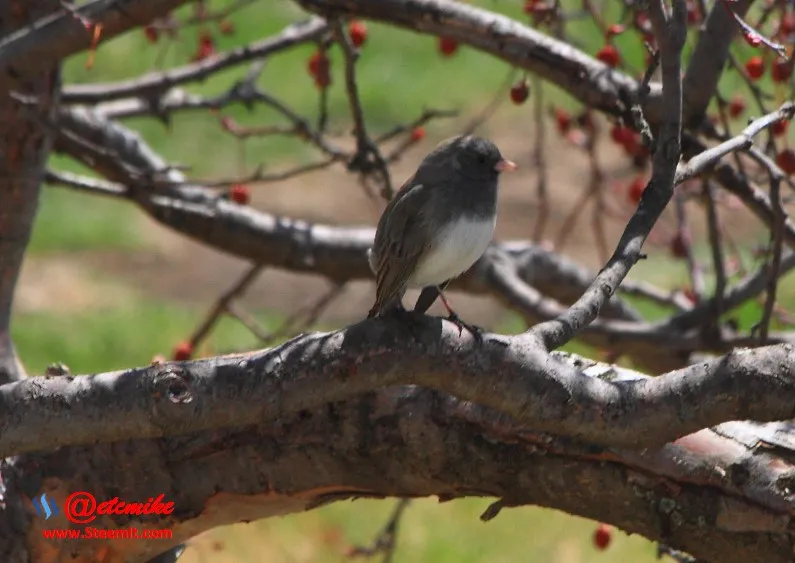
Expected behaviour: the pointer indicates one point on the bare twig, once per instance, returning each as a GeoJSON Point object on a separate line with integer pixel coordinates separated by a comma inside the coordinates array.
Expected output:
{"type": "Point", "coordinates": [539, 162]}
{"type": "Point", "coordinates": [716, 246]}
{"type": "Point", "coordinates": [84, 183]}
{"type": "Point", "coordinates": [368, 157]}
{"type": "Point", "coordinates": [685, 240]}
{"type": "Point", "coordinates": [671, 33]}
{"type": "Point", "coordinates": [221, 306]}
{"type": "Point", "coordinates": [386, 540]}
{"type": "Point", "coordinates": [492, 106]}
{"type": "Point", "coordinates": [743, 141]}
{"type": "Point", "coordinates": [156, 83]}
{"type": "Point", "coordinates": [426, 116]}
{"type": "Point", "coordinates": [55, 36]}
{"type": "Point", "coordinates": [776, 249]}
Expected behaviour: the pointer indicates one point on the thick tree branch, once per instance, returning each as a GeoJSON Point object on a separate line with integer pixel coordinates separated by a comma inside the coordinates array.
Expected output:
{"type": "Point", "coordinates": [312, 370]}
{"type": "Point", "coordinates": [587, 79]}
{"type": "Point", "coordinates": [53, 37]}
{"type": "Point", "coordinates": [24, 148]}
{"type": "Point", "coordinates": [721, 494]}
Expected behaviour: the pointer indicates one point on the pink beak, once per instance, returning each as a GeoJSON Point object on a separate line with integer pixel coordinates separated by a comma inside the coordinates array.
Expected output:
{"type": "Point", "coordinates": [505, 165]}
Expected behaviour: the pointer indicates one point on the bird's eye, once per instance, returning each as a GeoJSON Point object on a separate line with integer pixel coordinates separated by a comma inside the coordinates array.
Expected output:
{"type": "Point", "coordinates": [482, 159]}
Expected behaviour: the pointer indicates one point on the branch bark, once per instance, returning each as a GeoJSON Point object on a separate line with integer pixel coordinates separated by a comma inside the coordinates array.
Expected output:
{"type": "Point", "coordinates": [56, 34]}
{"type": "Point", "coordinates": [512, 374]}
{"type": "Point", "coordinates": [720, 494]}
{"type": "Point", "coordinates": [24, 147]}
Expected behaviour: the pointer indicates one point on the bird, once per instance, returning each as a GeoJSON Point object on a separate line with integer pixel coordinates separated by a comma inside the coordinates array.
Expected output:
{"type": "Point", "coordinates": [437, 225]}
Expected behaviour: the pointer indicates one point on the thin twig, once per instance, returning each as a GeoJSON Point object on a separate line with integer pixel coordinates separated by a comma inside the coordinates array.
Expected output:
{"type": "Point", "coordinates": [155, 83]}
{"type": "Point", "coordinates": [84, 183]}
{"type": "Point", "coordinates": [776, 243]}
{"type": "Point", "coordinates": [684, 237]}
{"type": "Point", "coordinates": [222, 304]}
{"type": "Point", "coordinates": [368, 157]}
{"type": "Point", "coordinates": [742, 141]}
{"type": "Point", "coordinates": [386, 541]}
{"type": "Point", "coordinates": [716, 246]}
{"type": "Point", "coordinates": [496, 101]}
{"type": "Point", "coordinates": [539, 161]}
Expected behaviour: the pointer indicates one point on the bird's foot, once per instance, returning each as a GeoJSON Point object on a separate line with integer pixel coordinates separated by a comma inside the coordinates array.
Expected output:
{"type": "Point", "coordinates": [476, 331]}
{"type": "Point", "coordinates": [405, 317]}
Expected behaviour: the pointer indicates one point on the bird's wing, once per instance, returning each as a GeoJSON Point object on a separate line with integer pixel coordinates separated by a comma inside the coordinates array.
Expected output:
{"type": "Point", "coordinates": [399, 251]}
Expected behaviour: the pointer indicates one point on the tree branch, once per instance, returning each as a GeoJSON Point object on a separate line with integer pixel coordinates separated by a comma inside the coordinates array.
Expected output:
{"type": "Point", "coordinates": [156, 83]}
{"type": "Point", "coordinates": [24, 148]}
{"type": "Point", "coordinates": [709, 57]}
{"type": "Point", "coordinates": [671, 33]}
{"type": "Point", "coordinates": [721, 494]}
{"type": "Point", "coordinates": [591, 82]}
{"type": "Point", "coordinates": [55, 36]}
{"type": "Point", "coordinates": [319, 368]}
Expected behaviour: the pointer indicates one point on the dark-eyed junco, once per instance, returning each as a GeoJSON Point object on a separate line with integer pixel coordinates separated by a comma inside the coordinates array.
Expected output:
{"type": "Point", "coordinates": [438, 224]}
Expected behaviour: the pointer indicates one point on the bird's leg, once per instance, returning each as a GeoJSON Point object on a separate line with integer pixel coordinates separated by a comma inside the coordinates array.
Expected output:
{"type": "Point", "coordinates": [454, 318]}
{"type": "Point", "coordinates": [428, 296]}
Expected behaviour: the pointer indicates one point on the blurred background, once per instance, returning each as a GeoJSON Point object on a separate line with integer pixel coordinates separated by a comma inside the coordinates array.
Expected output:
{"type": "Point", "coordinates": [104, 287]}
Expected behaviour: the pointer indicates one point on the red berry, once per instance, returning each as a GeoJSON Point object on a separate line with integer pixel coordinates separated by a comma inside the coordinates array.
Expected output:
{"type": "Point", "coordinates": [447, 46]}
{"type": "Point", "coordinates": [736, 106]}
{"type": "Point", "coordinates": [314, 63]}
{"type": "Point", "coordinates": [613, 30]}
{"type": "Point", "coordinates": [752, 38]}
{"type": "Point", "coordinates": [226, 27]}
{"type": "Point", "coordinates": [602, 536]}
{"type": "Point", "coordinates": [519, 92]}
{"type": "Point", "coordinates": [227, 123]}
{"type": "Point", "coordinates": [530, 6]}
{"type": "Point", "coordinates": [781, 70]}
{"type": "Point", "coordinates": [635, 190]}
{"type": "Point", "coordinates": [786, 161]}
{"type": "Point", "coordinates": [417, 134]}
{"type": "Point", "coordinates": [779, 127]}
{"type": "Point", "coordinates": [206, 47]}
{"type": "Point", "coordinates": [319, 68]}
{"type": "Point", "coordinates": [642, 21]}
{"type": "Point", "coordinates": [609, 55]}
{"type": "Point", "coordinates": [563, 120]}
{"type": "Point", "coordinates": [693, 15]}
{"type": "Point", "coordinates": [678, 245]}
{"type": "Point", "coordinates": [183, 351]}
{"type": "Point", "coordinates": [690, 295]}
{"type": "Point", "coordinates": [755, 67]}
{"type": "Point", "coordinates": [239, 193]}
{"type": "Point", "coordinates": [358, 32]}
{"type": "Point", "coordinates": [788, 23]}
{"type": "Point", "coordinates": [152, 35]}
{"type": "Point", "coordinates": [622, 135]}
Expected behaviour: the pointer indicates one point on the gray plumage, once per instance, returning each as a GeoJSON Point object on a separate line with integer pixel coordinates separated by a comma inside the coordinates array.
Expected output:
{"type": "Point", "coordinates": [440, 221]}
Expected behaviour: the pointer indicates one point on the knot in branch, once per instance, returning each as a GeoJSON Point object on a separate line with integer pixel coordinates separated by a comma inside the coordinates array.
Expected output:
{"type": "Point", "coordinates": [173, 383]}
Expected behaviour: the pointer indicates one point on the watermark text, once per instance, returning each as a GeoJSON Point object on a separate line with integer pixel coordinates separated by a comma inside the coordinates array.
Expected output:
{"type": "Point", "coordinates": [90, 533]}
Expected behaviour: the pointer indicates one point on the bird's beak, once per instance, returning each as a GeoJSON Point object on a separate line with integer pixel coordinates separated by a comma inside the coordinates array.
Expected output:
{"type": "Point", "coordinates": [505, 165]}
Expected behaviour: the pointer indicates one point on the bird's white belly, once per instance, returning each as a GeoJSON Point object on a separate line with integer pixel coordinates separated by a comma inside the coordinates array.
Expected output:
{"type": "Point", "coordinates": [457, 247]}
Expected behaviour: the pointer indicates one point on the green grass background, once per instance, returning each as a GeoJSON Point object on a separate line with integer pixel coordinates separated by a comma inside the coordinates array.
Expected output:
{"type": "Point", "coordinates": [400, 74]}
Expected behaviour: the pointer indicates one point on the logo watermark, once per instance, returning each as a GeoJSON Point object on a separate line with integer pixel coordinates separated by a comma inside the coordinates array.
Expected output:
{"type": "Point", "coordinates": [45, 507]}
{"type": "Point", "coordinates": [82, 508]}
{"type": "Point", "coordinates": [91, 533]}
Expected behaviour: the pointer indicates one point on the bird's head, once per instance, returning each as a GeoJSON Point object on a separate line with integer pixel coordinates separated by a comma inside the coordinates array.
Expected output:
{"type": "Point", "coordinates": [473, 156]}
